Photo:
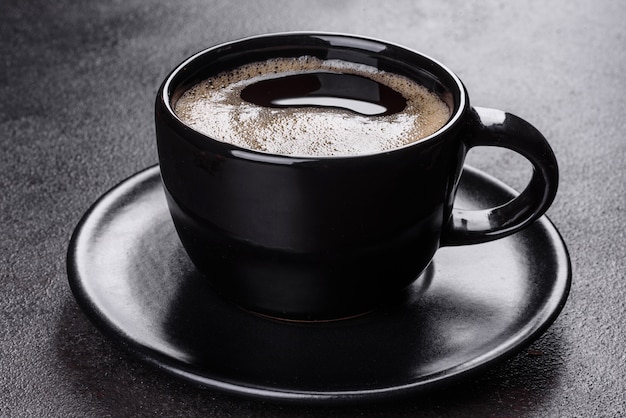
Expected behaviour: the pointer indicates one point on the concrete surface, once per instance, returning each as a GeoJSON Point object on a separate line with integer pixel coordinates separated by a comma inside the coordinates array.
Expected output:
{"type": "Point", "coordinates": [77, 84]}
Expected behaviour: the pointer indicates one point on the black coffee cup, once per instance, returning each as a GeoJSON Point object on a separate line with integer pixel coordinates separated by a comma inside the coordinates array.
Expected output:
{"type": "Point", "coordinates": [315, 238]}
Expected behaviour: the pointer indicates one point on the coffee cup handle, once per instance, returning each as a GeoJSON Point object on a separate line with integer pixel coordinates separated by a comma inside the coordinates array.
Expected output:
{"type": "Point", "coordinates": [491, 127]}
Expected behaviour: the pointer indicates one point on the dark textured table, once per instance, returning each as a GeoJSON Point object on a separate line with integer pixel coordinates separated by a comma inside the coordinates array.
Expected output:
{"type": "Point", "coordinates": [77, 86]}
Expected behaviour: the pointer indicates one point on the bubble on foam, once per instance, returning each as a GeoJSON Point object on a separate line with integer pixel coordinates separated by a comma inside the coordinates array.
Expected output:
{"type": "Point", "coordinates": [215, 108]}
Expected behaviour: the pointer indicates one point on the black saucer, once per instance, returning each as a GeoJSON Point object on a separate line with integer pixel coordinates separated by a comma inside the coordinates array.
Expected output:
{"type": "Point", "coordinates": [475, 305]}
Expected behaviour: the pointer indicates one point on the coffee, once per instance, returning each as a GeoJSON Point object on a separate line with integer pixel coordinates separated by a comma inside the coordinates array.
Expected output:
{"type": "Point", "coordinates": [310, 107]}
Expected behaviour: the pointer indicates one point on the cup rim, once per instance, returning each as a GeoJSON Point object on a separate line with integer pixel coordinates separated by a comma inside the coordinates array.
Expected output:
{"type": "Point", "coordinates": [165, 99]}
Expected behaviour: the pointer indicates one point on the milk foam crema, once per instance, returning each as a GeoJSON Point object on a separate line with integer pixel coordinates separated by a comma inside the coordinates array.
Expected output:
{"type": "Point", "coordinates": [324, 115]}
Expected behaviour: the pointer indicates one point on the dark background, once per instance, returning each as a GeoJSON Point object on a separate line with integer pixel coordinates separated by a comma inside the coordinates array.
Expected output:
{"type": "Point", "coordinates": [77, 85]}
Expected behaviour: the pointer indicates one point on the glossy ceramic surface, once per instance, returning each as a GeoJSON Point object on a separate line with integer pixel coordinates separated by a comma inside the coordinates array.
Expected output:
{"type": "Point", "coordinates": [306, 237]}
{"type": "Point", "coordinates": [475, 305]}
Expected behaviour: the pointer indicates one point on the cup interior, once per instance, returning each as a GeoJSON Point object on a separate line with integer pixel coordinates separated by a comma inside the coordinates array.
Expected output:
{"type": "Point", "coordinates": [381, 55]}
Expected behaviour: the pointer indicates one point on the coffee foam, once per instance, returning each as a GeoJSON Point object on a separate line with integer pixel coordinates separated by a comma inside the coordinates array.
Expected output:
{"type": "Point", "coordinates": [215, 108]}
